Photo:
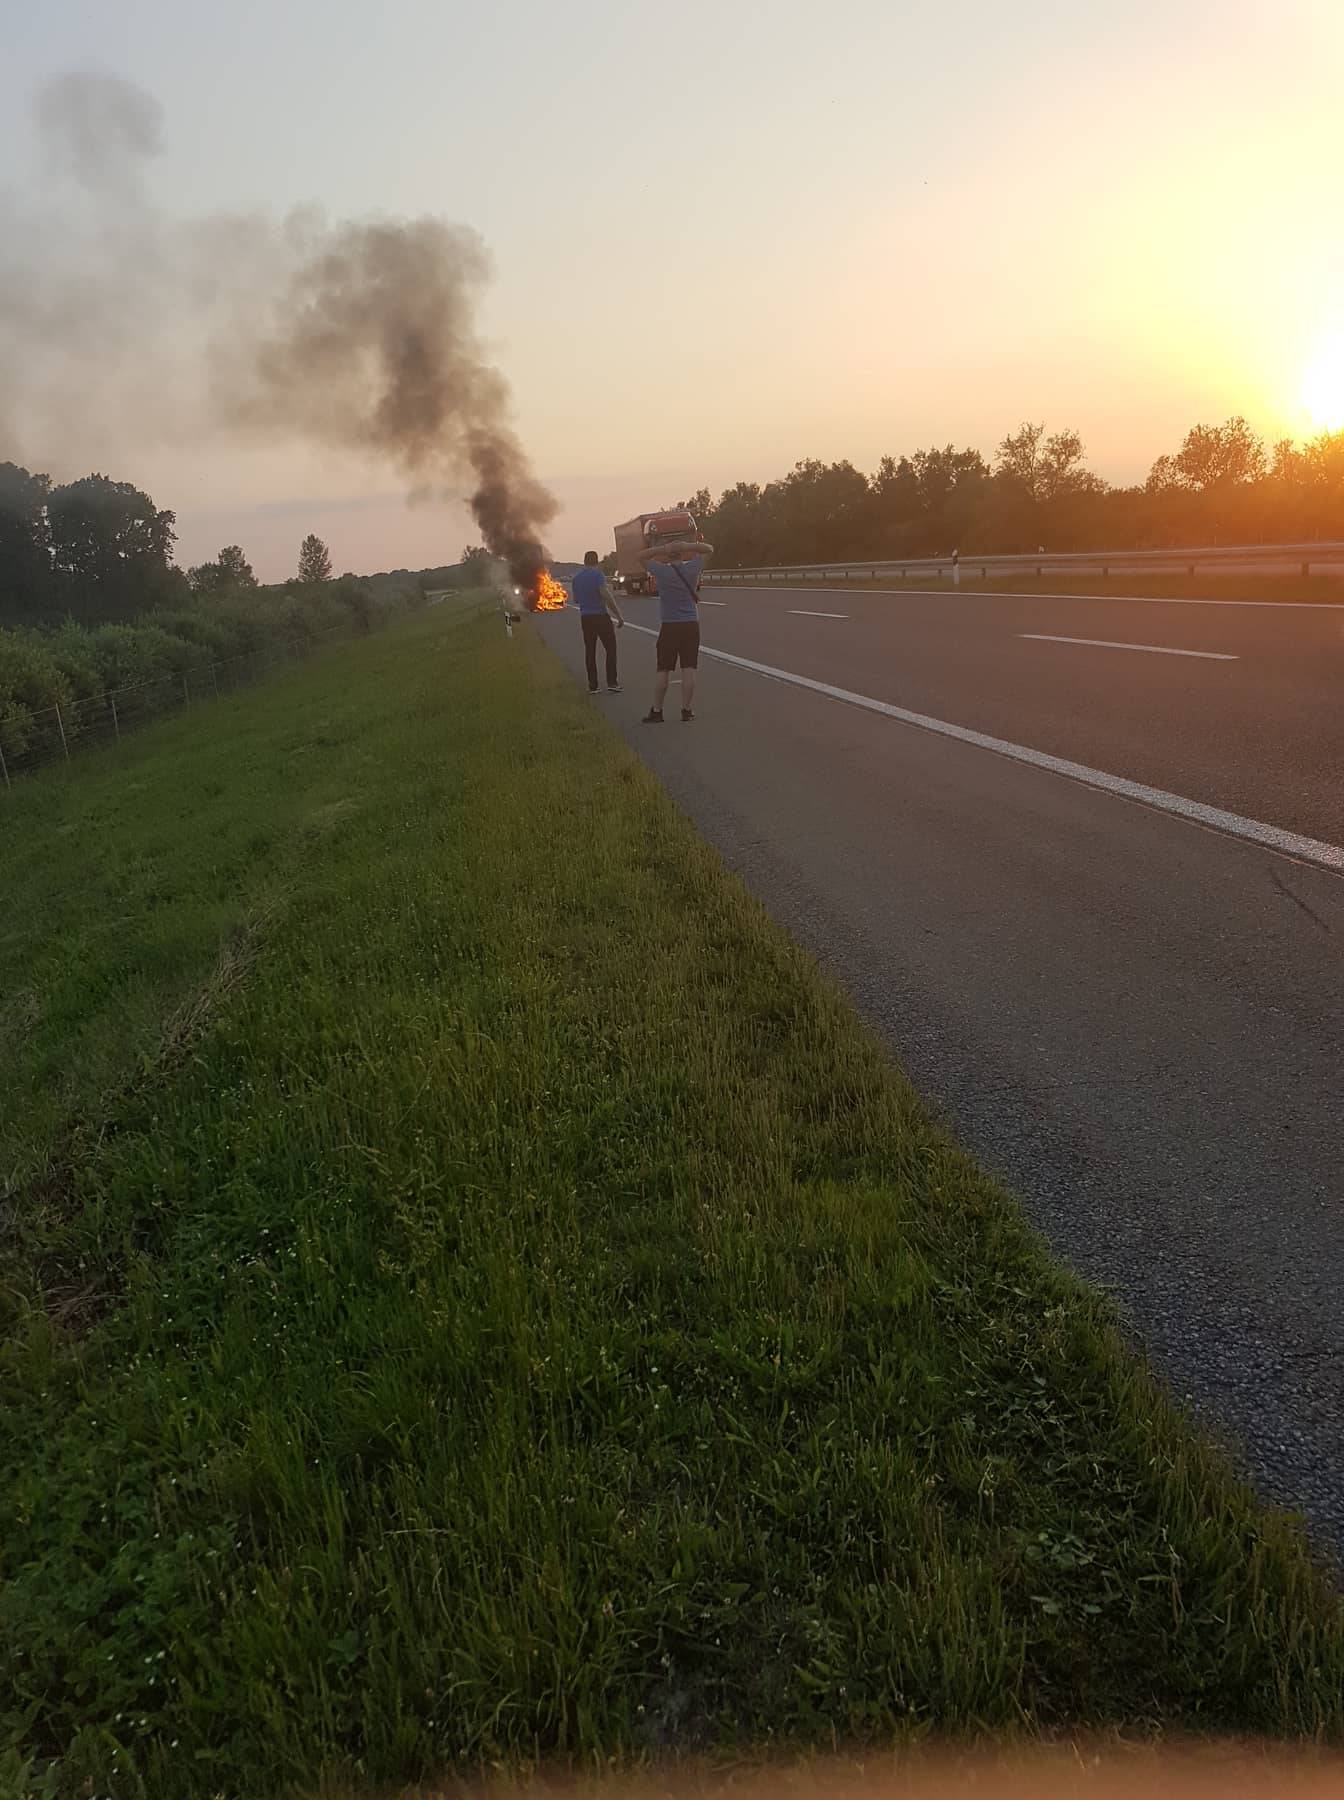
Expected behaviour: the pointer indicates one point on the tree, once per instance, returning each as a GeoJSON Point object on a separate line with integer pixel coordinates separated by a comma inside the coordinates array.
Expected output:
{"type": "Point", "coordinates": [700, 505]}
{"type": "Point", "coordinates": [1016, 459]}
{"type": "Point", "coordinates": [1162, 477]}
{"type": "Point", "coordinates": [476, 564]}
{"type": "Point", "coordinates": [111, 549]}
{"type": "Point", "coordinates": [314, 559]}
{"type": "Point", "coordinates": [1219, 457]}
{"type": "Point", "coordinates": [741, 533]}
{"type": "Point", "coordinates": [26, 576]}
{"type": "Point", "coordinates": [1044, 468]}
{"type": "Point", "coordinates": [236, 567]}
{"type": "Point", "coordinates": [817, 510]}
{"type": "Point", "coordinates": [231, 569]}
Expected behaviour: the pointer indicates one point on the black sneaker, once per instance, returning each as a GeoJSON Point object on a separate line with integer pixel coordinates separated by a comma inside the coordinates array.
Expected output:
{"type": "Point", "coordinates": [613, 687]}
{"type": "Point", "coordinates": [652, 718]}
{"type": "Point", "coordinates": [592, 690]}
{"type": "Point", "coordinates": [686, 715]}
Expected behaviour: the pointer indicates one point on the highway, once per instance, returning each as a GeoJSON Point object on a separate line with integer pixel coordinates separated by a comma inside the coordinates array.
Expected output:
{"type": "Point", "coordinates": [1133, 1011]}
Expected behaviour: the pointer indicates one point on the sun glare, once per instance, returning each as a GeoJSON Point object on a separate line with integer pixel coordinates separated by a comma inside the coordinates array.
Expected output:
{"type": "Point", "coordinates": [1323, 382]}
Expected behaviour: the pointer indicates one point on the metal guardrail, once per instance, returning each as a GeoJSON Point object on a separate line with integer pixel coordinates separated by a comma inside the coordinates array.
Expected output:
{"type": "Point", "coordinates": [1266, 557]}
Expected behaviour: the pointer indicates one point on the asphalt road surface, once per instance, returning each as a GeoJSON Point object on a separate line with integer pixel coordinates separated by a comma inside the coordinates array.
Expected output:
{"type": "Point", "coordinates": [1135, 1019]}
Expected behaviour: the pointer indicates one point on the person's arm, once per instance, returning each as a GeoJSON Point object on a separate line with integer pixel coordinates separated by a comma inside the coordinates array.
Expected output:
{"type": "Point", "coordinates": [609, 600]}
{"type": "Point", "coordinates": [660, 552]}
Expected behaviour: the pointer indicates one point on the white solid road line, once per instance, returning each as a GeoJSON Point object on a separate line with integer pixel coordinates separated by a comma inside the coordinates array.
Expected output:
{"type": "Point", "coordinates": [713, 602]}
{"type": "Point", "coordinates": [1251, 831]}
{"type": "Point", "coordinates": [1046, 637]}
{"type": "Point", "coordinates": [957, 593]}
{"type": "Point", "coordinates": [797, 612]}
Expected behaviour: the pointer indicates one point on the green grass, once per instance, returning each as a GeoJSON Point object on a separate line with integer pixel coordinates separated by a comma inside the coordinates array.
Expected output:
{"type": "Point", "coordinates": [474, 1293]}
{"type": "Point", "coordinates": [1203, 585]}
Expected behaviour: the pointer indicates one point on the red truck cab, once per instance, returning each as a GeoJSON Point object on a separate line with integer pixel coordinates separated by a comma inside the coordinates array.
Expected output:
{"type": "Point", "coordinates": [647, 531]}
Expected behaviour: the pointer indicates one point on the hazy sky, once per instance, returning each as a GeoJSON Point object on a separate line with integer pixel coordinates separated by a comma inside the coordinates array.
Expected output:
{"type": "Point", "coordinates": [728, 236]}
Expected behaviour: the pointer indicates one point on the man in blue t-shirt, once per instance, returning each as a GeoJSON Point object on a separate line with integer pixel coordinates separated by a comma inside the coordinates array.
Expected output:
{"type": "Point", "coordinates": [597, 608]}
{"type": "Point", "coordinates": [677, 568]}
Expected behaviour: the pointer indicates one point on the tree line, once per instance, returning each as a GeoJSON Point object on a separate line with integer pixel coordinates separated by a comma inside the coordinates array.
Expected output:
{"type": "Point", "coordinates": [1222, 484]}
{"type": "Point", "coordinates": [97, 550]}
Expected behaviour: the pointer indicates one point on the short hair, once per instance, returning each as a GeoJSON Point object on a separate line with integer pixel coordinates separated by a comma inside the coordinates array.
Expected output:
{"type": "Point", "coordinates": [591, 558]}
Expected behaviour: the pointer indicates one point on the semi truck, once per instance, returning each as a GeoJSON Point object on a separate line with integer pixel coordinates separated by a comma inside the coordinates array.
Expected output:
{"type": "Point", "coordinates": [647, 531]}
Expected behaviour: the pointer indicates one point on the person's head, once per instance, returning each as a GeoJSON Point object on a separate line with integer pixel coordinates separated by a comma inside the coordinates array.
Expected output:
{"type": "Point", "coordinates": [591, 559]}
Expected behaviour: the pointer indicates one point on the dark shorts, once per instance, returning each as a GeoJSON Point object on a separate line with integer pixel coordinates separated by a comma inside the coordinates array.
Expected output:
{"type": "Point", "coordinates": [679, 643]}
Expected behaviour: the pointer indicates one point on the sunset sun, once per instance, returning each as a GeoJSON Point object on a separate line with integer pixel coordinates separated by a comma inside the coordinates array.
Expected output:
{"type": "Point", "coordinates": [1323, 382]}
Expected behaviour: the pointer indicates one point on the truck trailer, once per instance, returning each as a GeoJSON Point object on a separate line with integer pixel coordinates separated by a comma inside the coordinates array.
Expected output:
{"type": "Point", "coordinates": [647, 531]}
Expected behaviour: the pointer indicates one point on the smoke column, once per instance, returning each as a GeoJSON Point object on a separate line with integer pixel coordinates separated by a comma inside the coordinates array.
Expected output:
{"type": "Point", "coordinates": [357, 336]}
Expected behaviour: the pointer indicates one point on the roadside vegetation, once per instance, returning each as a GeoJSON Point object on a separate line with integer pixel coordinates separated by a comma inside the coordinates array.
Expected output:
{"type": "Point", "coordinates": [473, 1293]}
{"type": "Point", "coordinates": [99, 631]}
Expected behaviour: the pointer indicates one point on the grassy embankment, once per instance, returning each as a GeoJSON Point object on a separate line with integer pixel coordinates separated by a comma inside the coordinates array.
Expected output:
{"type": "Point", "coordinates": [472, 1291]}
{"type": "Point", "coordinates": [1321, 589]}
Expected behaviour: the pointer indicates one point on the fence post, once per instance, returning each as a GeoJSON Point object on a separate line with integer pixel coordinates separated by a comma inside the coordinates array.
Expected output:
{"type": "Point", "coordinates": [186, 691]}
{"type": "Point", "coordinates": [61, 723]}
{"type": "Point", "coordinates": [116, 723]}
{"type": "Point", "coordinates": [984, 575]}
{"type": "Point", "coordinates": [4, 766]}
{"type": "Point", "coordinates": [214, 681]}
{"type": "Point", "coordinates": [1105, 572]}
{"type": "Point", "coordinates": [1190, 570]}
{"type": "Point", "coordinates": [1306, 569]}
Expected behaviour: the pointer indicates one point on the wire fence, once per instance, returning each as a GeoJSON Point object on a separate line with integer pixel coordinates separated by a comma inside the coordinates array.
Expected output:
{"type": "Point", "coordinates": [35, 740]}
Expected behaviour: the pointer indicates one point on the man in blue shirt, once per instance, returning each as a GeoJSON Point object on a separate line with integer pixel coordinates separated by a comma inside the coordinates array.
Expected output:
{"type": "Point", "coordinates": [597, 608]}
{"type": "Point", "coordinates": [677, 569]}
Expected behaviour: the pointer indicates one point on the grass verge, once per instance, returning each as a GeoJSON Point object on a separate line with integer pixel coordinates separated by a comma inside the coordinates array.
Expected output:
{"type": "Point", "coordinates": [535, 1319]}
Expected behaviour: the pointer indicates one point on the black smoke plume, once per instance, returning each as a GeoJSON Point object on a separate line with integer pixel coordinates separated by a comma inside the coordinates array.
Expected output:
{"type": "Point", "coordinates": [116, 323]}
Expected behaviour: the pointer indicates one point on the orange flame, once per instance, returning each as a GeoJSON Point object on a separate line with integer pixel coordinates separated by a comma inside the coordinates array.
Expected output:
{"type": "Point", "coordinates": [547, 593]}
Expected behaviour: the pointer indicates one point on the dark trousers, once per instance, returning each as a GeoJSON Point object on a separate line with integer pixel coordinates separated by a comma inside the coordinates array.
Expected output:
{"type": "Point", "coordinates": [598, 629]}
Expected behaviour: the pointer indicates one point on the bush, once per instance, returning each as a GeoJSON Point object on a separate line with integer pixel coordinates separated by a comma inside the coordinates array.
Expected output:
{"type": "Point", "coordinates": [29, 672]}
{"type": "Point", "coordinates": [306, 613]}
{"type": "Point", "coordinates": [32, 686]}
{"type": "Point", "coordinates": [242, 626]}
{"type": "Point", "coordinates": [202, 628]}
{"type": "Point", "coordinates": [357, 598]}
{"type": "Point", "coordinates": [16, 726]}
{"type": "Point", "coordinates": [139, 665]}
{"type": "Point", "coordinates": [142, 663]}
{"type": "Point", "coordinates": [71, 651]}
